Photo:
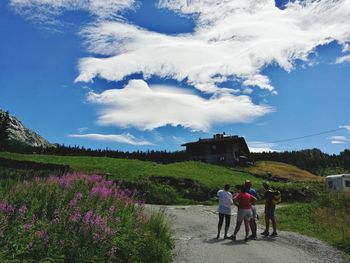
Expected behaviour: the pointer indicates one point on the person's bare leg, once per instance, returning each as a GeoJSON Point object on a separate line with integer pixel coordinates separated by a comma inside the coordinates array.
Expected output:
{"type": "Point", "coordinates": [246, 225]}
{"type": "Point", "coordinates": [267, 224]}
{"type": "Point", "coordinates": [253, 227]}
{"type": "Point", "coordinates": [226, 230]}
{"type": "Point", "coordinates": [274, 225]}
{"type": "Point", "coordinates": [221, 220]}
{"type": "Point", "coordinates": [238, 226]}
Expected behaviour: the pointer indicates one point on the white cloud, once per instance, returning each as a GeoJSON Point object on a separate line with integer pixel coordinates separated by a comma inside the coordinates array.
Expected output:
{"type": "Point", "coordinates": [347, 127]}
{"type": "Point", "coordinates": [179, 140]}
{"type": "Point", "coordinates": [343, 59]}
{"type": "Point", "coordinates": [261, 147]}
{"type": "Point", "coordinates": [338, 139]}
{"type": "Point", "coordinates": [146, 108]}
{"type": "Point", "coordinates": [82, 129]}
{"type": "Point", "coordinates": [46, 11]}
{"type": "Point", "coordinates": [232, 39]}
{"type": "Point", "coordinates": [119, 138]}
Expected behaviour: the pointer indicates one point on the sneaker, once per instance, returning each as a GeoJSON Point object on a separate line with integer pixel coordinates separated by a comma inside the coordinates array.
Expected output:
{"type": "Point", "coordinates": [253, 237]}
{"type": "Point", "coordinates": [265, 233]}
{"type": "Point", "coordinates": [246, 239]}
{"type": "Point", "coordinates": [232, 237]}
{"type": "Point", "coordinates": [274, 234]}
{"type": "Point", "coordinates": [226, 237]}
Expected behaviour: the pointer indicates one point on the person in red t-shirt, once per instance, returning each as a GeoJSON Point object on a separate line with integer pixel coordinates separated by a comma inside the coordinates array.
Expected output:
{"type": "Point", "coordinates": [243, 201]}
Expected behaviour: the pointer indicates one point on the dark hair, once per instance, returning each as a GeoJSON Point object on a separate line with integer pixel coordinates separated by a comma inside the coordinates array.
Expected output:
{"type": "Point", "coordinates": [243, 188]}
{"type": "Point", "coordinates": [226, 187]}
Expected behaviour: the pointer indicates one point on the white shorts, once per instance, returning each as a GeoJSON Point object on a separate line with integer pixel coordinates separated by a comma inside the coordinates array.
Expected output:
{"type": "Point", "coordinates": [244, 214]}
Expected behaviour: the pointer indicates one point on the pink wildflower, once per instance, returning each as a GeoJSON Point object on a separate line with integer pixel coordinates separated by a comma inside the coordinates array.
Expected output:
{"type": "Point", "coordinates": [22, 210]}
{"type": "Point", "coordinates": [75, 216]}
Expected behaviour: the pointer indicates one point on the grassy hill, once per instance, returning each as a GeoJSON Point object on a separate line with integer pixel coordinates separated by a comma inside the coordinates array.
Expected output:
{"type": "Point", "coordinates": [282, 171]}
{"type": "Point", "coordinates": [209, 175]}
{"type": "Point", "coordinates": [176, 183]}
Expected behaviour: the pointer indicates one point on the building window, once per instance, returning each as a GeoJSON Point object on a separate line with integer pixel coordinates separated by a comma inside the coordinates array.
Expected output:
{"type": "Point", "coordinates": [347, 183]}
{"type": "Point", "coordinates": [330, 184]}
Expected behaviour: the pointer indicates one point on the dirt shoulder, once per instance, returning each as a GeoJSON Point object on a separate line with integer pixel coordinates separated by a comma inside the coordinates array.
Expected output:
{"type": "Point", "coordinates": [195, 230]}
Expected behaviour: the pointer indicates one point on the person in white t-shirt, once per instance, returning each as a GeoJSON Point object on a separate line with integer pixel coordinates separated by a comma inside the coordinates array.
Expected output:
{"type": "Point", "coordinates": [225, 203]}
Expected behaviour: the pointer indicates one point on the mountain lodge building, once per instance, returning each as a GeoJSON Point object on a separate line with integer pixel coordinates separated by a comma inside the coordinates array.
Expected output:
{"type": "Point", "coordinates": [221, 149]}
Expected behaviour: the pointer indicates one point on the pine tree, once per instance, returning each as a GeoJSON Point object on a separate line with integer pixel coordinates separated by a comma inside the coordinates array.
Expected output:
{"type": "Point", "coordinates": [4, 130]}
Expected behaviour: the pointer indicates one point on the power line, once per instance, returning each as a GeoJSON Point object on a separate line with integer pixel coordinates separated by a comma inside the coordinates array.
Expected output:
{"type": "Point", "coordinates": [306, 136]}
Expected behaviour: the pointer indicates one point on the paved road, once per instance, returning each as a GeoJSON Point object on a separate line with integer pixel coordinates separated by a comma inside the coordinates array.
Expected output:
{"type": "Point", "coordinates": [195, 230]}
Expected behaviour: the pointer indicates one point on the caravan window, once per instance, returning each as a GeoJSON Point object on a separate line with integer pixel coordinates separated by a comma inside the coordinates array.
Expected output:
{"type": "Point", "coordinates": [347, 183]}
{"type": "Point", "coordinates": [330, 184]}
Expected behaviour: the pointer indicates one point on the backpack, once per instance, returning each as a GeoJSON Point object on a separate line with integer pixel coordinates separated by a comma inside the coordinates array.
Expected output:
{"type": "Point", "coordinates": [277, 197]}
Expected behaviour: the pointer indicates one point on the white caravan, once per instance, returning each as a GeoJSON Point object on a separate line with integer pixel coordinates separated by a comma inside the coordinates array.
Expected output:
{"type": "Point", "coordinates": [338, 182]}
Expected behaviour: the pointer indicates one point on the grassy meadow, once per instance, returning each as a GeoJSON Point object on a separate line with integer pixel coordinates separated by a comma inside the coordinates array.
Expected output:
{"type": "Point", "coordinates": [179, 183]}
{"type": "Point", "coordinates": [326, 218]}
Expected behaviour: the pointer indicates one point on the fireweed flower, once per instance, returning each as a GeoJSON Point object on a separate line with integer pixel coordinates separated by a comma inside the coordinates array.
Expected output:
{"type": "Point", "coordinates": [22, 210]}
{"type": "Point", "coordinates": [27, 226]}
{"type": "Point", "coordinates": [88, 216]}
{"type": "Point", "coordinates": [75, 216]}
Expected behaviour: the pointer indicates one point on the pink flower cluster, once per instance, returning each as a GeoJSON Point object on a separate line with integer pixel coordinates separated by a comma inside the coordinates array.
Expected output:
{"type": "Point", "coordinates": [7, 208]}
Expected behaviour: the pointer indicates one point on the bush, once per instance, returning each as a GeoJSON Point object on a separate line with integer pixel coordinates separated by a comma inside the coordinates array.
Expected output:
{"type": "Point", "coordinates": [78, 218]}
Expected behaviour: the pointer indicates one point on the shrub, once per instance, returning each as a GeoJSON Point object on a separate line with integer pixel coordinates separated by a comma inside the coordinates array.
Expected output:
{"type": "Point", "coordinates": [79, 218]}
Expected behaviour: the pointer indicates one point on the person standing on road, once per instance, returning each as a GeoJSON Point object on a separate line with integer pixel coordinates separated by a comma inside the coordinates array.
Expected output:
{"type": "Point", "coordinates": [225, 203]}
{"type": "Point", "coordinates": [270, 207]}
{"type": "Point", "coordinates": [243, 201]}
{"type": "Point", "coordinates": [252, 222]}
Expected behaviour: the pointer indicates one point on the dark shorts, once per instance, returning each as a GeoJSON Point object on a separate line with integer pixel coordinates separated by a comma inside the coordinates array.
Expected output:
{"type": "Point", "coordinates": [227, 219]}
{"type": "Point", "coordinates": [270, 212]}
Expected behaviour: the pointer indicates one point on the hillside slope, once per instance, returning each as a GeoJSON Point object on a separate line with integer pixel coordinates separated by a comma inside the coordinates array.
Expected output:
{"type": "Point", "coordinates": [211, 176]}
{"type": "Point", "coordinates": [278, 170]}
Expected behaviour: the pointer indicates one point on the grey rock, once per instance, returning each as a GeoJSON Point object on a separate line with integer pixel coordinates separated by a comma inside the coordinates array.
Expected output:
{"type": "Point", "coordinates": [20, 135]}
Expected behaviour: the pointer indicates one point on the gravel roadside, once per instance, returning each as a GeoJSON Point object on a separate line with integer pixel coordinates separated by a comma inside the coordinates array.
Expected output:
{"type": "Point", "coordinates": [195, 231]}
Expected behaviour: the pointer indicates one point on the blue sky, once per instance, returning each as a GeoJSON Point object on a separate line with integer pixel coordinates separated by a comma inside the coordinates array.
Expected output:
{"type": "Point", "coordinates": [138, 75]}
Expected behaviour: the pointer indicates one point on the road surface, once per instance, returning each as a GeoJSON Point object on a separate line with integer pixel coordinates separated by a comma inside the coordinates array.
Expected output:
{"type": "Point", "coordinates": [195, 231]}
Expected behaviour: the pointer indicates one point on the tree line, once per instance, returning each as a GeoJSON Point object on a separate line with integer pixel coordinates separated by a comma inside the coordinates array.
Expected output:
{"type": "Point", "coordinates": [312, 160]}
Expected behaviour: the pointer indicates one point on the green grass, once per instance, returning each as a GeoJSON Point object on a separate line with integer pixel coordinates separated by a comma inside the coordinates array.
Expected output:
{"type": "Point", "coordinates": [327, 218]}
{"type": "Point", "coordinates": [211, 176]}
{"type": "Point", "coordinates": [145, 177]}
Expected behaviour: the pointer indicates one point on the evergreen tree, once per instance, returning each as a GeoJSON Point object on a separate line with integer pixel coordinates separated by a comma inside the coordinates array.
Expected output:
{"type": "Point", "coordinates": [4, 130]}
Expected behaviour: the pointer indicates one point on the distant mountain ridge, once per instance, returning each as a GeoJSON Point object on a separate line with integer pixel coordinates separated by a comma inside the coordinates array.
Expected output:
{"type": "Point", "coordinates": [21, 136]}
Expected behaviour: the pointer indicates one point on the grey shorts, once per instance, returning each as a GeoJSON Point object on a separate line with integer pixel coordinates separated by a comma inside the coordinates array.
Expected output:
{"type": "Point", "coordinates": [244, 214]}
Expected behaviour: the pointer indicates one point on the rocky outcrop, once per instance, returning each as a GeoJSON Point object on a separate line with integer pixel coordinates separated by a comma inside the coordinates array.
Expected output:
{"type": "Point", "coordinates": [21, 136]}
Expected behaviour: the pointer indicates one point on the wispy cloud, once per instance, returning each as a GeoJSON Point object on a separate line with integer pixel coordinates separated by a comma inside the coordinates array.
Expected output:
{"type": "Point", "coordinates": [138, 105]}
{"type": "Point", "coordinates": [82, 129]}
{"type": "Point", "coordinates": [232, 39]}
{"type": "Point", "coordinates": [338, 139]}
{"type": "Point", "coordinates": [256, 146]}
{"type": "Point", "coordinates": [347, 127]}
{"type": "Point", "coordinates": [47, 11]}
{"type": "Point", "coordinates": [126, 138]}
{"type": "Point", "coordinates": [343, 59]}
